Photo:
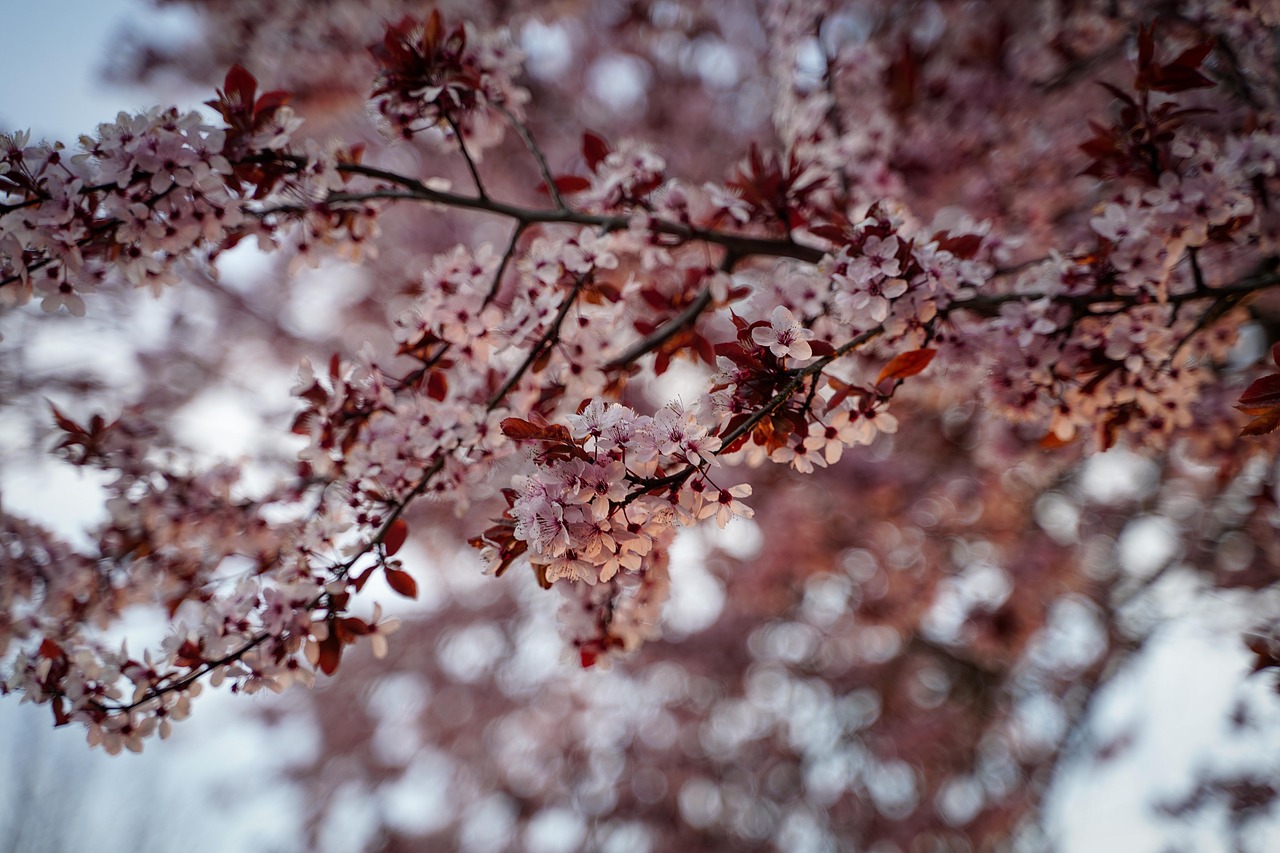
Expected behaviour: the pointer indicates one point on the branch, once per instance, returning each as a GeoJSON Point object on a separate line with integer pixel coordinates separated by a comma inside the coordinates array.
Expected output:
{"type": "Point", "coordinates": [548, 338]}
{"type": "Point", "coordinates": [466, 155]}
{"type": "Point", "coordinates": [536, 151]}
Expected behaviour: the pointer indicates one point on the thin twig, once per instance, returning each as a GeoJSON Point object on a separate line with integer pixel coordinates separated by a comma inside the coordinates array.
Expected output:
{"type": "Point", "coordinates": [466, 155]}
{"type": "Point", "coordinates": [536, 151]}
{"type": "Point", "coordinates": [548, 338]}
{"type": "Point", "coordinates": [502, 265]}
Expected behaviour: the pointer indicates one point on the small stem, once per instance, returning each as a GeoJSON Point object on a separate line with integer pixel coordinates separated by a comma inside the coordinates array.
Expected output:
{"type": "Point", "coordinates": [538, 156]}
{"type": "Point", "coordinates": [662, 334]}
{"type": "Point", "coordinates": [502, 265]}
{"type": "Point", "coordinates": [548, 338]}
{"type": "Point", "coordinates": [466, 155]}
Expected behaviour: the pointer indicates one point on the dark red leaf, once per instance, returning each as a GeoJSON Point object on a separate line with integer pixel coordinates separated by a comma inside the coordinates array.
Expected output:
{"type": "Point", "coordinates": [594, 149]}
{"type": "Point", "coordinates": [963, 246]}
{"type": "Point", "coordinates": [437, 385]}
{"type": "Point", "coordinates": [1119, 93]}
{"type": "Point", "coordinates": [1146, 46]}
{"type": "Point", "coordinates": [402, 582]}
{"type": "Point", "coordinates": [521, 430]}
{"type": "Point", "coordinates": [1193, 56]}
{"type": "Point", "coordinates": [330, 652]}
{"type": "Point", "coordinates": [395, 536]}
{"type": "Point", "coordinates": [821, 349]}
{"type": "Point", "coordinates": [239, 87]}
{"type": "Point", "coordinates": [1263, 394]}
{"type": "Point", "coordinates": [570, 184]}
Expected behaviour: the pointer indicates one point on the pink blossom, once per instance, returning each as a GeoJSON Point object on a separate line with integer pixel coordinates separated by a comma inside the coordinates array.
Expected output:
{"type": "Point", "coordinates": [784, 336]}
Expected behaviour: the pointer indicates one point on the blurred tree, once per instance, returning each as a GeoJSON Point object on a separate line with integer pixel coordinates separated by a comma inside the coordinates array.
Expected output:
{"type": "Point", "coordinates": [853, 294]}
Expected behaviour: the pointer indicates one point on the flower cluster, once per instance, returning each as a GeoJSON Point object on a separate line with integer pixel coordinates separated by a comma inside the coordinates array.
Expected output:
{"type": "Point", "coordinates": [803, 306]}
{"type": "Point", "coordinates": [452, 80]}
{"type": "Point", "coordinates": [607, 489]}
{"type": "Point", "coordinates": [148, 189]}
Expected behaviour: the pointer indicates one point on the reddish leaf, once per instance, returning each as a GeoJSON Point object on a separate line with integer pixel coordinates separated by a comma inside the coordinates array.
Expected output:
{"type": "Point", "coordinates": [822, 349]}
{"type": "Point", "coordinates": [1119, 93]}
{"type": "Point", "coordinates": [522, 430]}
{"type": "Point", "coordinates": [402, 582]}
{"type": "Point", "coordinates": [330, 653]}
{"type": "Point", "coordinates": [1263, 424]}
{"type": "Point", "coordinates": [350, 627]}
{"type": "Point", "coordinates": [961, 245]}
{"type": "Point", "coordinates": [65, 423]}
{"type": "Point", "coordinates": [570, 184]}
{"type": "Point", "coordinates": [1193, 56]}
{"type": "Point", "coordinates": [706, 351]}
{"type": "Point", "coordinates": [906, 364]}
{"type": "Point", "coordinates": [1146, 46]}
{"type": "Point", "coordinates": [1262, 401]}
{"type": "Point", "coordinates": [1262, 395]}
{"type": "Point", "coordinates": [437, 385]}
{"type": "Point", "coordinates": [50, 649]}
{"type": "Point", "coordinates": [240, 85]}
{"type": "Point", "coordinates": [361, 579]}
{"type": "Point", "coordinates": [1175, 78]}
{"type": "Point", "coordinates": [594, 149]}
{"type": "Point", "coordinates": [394, 538]}
{"type": "Point", "coordinates": [1051, 441]}
{"type": "Point", "coordinates": [271, 101]}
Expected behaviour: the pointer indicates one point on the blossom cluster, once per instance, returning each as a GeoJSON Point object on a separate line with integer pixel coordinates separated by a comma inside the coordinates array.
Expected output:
{"type": "Point", "coordinates": [453, 80]}
{"type": "Point", "coordinates": [802, 305]}
{"type": "Point", "coordinates": [588, 511]}
{"type": "Point", "coordinates": [1108, 341]}
{"type": "Point", "coordinates": [148, 189]}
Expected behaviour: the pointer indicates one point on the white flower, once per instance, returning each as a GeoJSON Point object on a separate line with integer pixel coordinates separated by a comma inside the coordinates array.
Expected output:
{"type": "Point", "coordinates": [784, 336]}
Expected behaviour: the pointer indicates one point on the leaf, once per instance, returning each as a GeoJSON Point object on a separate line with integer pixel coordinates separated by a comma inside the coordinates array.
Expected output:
{"type": "Point", "coordinates": [822, 349]}
{"type": "Point", "coordinates": [1193, 56]}
{"type": "Point", "coordinates": [906, 364]}
{"type": "Point", "coordinates": [330, 653]}
{"type": "Point", "coordinates": [963, 246]}
{"type": "Point", "coordinates": [242, 85]}
{"type": "Point", "coordinates": [1262, 395]}
{"type": "Point", "coordinates": [569, 184]}
{"type": "Point", "coordinates": [402, 582]}
{"type": "Point", "coordinates": [706, 351]}
{"type": "Point", "coordinates": [1261, 400]}
{"type": "Point", "coordinates": [1118, 93]}
{"type": "Point", "coordinates": [437, 385]}
{"type": "Point", "coordinates": [60, 715]}
{"type": "Point", "coordinates": [361, 579]}
{"type": "Point", "coordinates": [594, 149]}
{"type": "Point", "coordinates": [522, 430]}
{"type": "Point", "coordinates": [394, 538]}
{"type": "Point", "coordinates": [1051, 441]}
{"type": "Point", "coordinates": [65, 423]}
{"type": "Point", "coordinates": [1263, 424]}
